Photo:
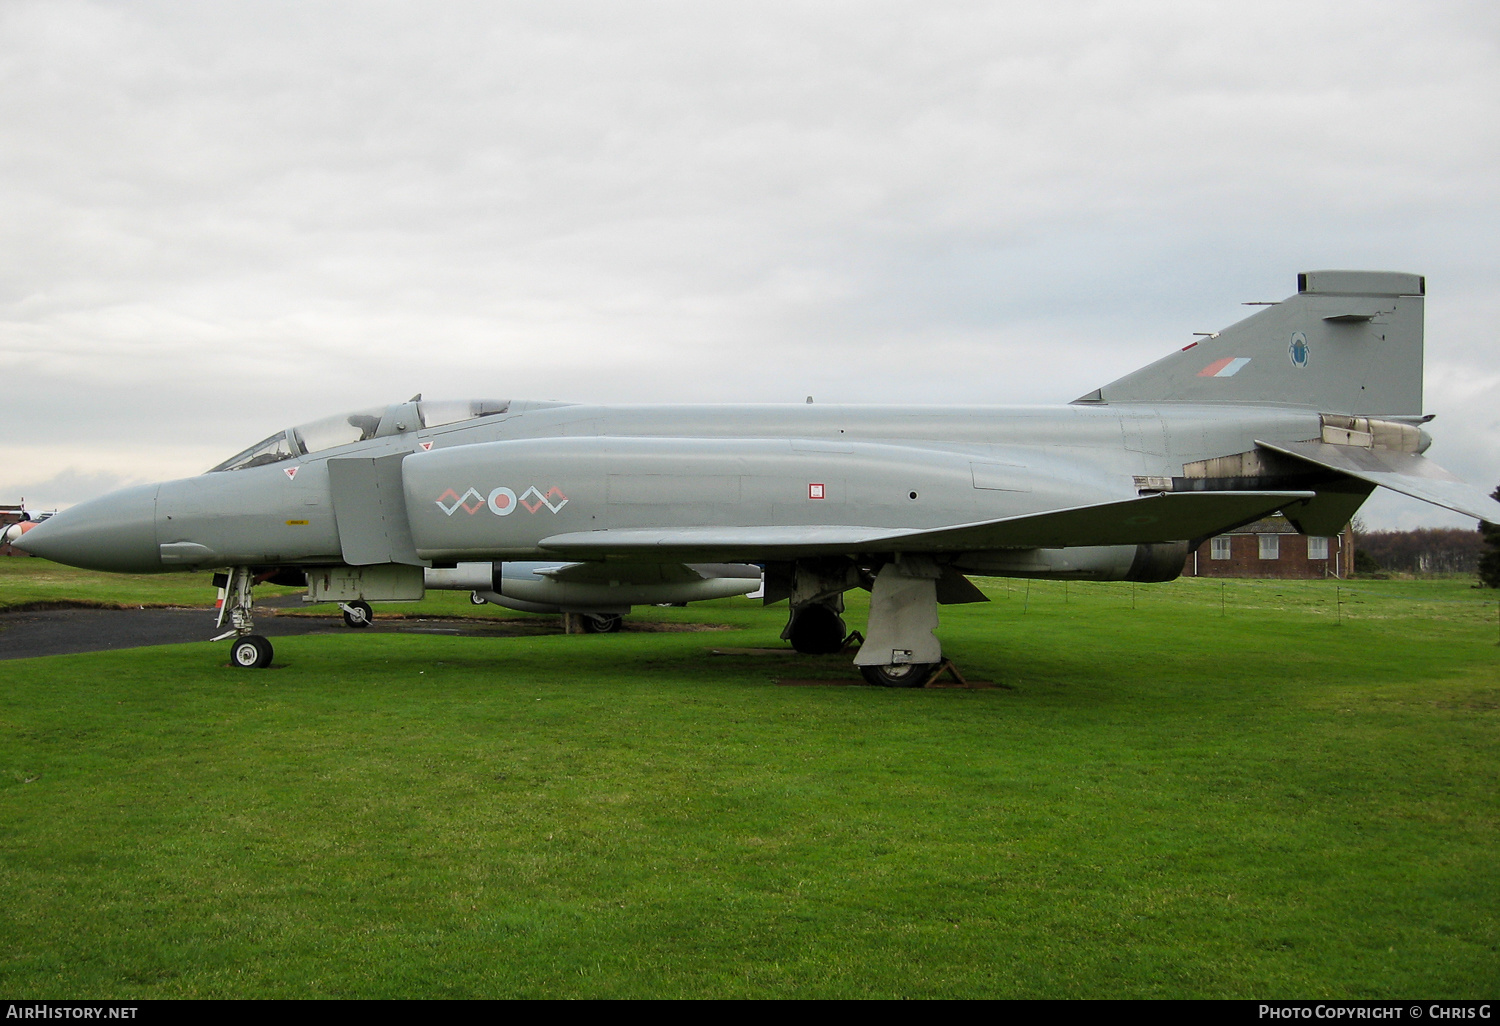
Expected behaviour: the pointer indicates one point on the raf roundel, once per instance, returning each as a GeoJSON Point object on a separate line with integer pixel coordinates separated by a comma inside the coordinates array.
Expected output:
{"type": "Point", "coordinates": [502, 502]}
{"type": "Point", "coordinates": [1297, 350]}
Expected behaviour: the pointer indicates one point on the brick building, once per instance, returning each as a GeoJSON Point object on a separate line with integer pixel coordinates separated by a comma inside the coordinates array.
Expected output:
{"type": "Point", "coordinates": [11, 515]}
{"type": "Point", "coordinates": [1272, 548]}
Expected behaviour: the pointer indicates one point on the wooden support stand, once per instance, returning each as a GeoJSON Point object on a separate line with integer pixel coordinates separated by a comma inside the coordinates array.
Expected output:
{"type": "Point", "coordinates": [946, 666]}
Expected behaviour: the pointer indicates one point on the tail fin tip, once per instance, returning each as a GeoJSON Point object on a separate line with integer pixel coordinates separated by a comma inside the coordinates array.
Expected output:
{"type": "Point", "coordinates": [1347, 342]}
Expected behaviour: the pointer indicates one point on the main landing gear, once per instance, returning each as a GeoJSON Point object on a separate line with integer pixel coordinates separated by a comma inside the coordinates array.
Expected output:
{"type": "Point", "coordinates": [250, 651]}
{"type": "Point", "coordinates": [816, 624]}
{"type": "Point", "coordinates": [817, 629]}
{"type": "Point", "coordinates": [900, 650]}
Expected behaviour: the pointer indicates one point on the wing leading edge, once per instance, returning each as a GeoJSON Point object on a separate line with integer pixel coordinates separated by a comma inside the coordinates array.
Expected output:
{"type": "Point", "coordinates": [1170, 516]}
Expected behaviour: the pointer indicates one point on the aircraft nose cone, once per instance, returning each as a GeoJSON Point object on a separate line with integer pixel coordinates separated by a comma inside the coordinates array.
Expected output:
{"type": "Point", "coordinates": [116, 533]}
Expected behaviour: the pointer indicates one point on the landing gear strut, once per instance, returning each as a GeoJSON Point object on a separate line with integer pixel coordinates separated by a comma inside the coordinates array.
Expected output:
{"type": "Point", "coordinates": [250, 650]}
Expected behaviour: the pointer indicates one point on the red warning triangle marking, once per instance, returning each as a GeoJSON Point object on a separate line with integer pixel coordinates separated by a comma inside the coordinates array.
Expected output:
{"type": "Point", "coordinates": [425, 445]}
{"type": "Point", "coordinates": [290, 472]}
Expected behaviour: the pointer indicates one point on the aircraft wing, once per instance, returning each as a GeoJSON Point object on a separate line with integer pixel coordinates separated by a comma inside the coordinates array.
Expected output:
{"type": "Point", "coordinates": [1170, 516]}
{"type": "Point", "coordinates": [1402, 472]}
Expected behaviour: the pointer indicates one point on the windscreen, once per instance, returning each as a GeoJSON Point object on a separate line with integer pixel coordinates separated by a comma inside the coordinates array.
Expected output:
{"type": "Point", "coordinates": [272, 450]}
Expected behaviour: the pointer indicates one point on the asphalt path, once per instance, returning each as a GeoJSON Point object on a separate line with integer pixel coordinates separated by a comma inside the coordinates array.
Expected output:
{"type": "Point", "coordinates": [45, 632]}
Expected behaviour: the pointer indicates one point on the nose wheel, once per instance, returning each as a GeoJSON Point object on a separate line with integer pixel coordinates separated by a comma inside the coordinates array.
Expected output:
{"type": "Point", "coordinates": [357, 613]}
{"type": "Point", "coordinates": [252, 652]}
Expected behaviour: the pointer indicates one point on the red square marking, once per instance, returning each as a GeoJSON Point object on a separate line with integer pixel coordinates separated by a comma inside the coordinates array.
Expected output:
{"type": "Point", "coordinates": [814, 491]}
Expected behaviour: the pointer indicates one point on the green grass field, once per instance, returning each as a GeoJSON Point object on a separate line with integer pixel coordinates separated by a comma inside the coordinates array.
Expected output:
{"type": "Point", "coordinates": [1265, 790]}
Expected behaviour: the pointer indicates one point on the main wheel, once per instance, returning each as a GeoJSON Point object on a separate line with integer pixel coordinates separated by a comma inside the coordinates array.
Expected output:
{"type": "Point", "coordinates": [898, 675]}
{"type": "Point", "coordinates": [358, 614]}
{"type": "Point", "coordinates": [601, 623]}
{"type": "Point", "coordinates": [817, 630]}
{"type": "Point", "coordinates": [475, 599]}
{"type": "Point", "coordinates": [252, 652]}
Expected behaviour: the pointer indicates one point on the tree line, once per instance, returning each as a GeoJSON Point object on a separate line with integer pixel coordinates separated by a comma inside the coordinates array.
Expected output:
{"type": "Point", "coordinates": [1432, 550]}
{"type": "Point", "coordinates": [1426, 550]}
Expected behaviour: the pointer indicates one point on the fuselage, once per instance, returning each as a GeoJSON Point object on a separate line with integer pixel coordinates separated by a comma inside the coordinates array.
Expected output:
{"type": "Point", "coordinates": [495, 487]}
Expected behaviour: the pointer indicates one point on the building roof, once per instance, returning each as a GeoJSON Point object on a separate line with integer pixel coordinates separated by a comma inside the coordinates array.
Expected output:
{"type": "Point", "coordinates": [1269, 525]}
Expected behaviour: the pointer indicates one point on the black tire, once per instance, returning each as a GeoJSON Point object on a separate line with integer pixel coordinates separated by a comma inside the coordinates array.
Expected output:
{"type": "Point", "coordinates": [902, 675]}
{"type": "Point", "coordinates": [252, 652]}
{"type": "Point", "coordinates": [476, 600]}
{"type": "Point", "coordinates": [817, 630]}
{"type": "Point", "coordinates": [358, 614]}
{"type": "Point", "coordinates": [601, 623]}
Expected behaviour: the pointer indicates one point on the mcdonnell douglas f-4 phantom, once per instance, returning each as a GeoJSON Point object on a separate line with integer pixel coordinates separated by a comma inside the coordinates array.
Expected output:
{"type": "Point", "coordinates": [1303, 407]}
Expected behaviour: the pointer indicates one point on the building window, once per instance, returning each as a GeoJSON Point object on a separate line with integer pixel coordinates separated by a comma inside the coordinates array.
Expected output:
{"type": "Point", "coordinates": [1220, 547]}
{"type": "Point", "coordinates": [1317, 548]}
{"type": "Point", "coordinates": [1270, 546]}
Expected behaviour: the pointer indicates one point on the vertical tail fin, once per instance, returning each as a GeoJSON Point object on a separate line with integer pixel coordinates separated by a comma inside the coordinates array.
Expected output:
{"type": "Point", "coordinates": [1348, 342]}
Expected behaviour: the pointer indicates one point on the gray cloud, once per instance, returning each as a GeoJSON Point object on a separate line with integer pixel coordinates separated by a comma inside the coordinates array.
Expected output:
{"type": "Point", "coordinates": [222, 218]}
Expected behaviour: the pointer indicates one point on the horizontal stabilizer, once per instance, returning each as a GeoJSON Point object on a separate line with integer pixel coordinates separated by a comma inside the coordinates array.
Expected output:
{"type": "Point", "coordinates": [1171, 516]}
{"type": "Point", "coordinates": [1402, 472]}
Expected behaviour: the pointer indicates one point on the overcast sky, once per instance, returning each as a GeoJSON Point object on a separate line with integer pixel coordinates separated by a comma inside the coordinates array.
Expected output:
{"type": "Point", "coordinates": [222, 218]}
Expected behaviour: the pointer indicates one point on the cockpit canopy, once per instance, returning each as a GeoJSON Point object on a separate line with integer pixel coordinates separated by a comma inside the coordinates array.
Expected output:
{"type": "Point", "coordinates": [347, 428]}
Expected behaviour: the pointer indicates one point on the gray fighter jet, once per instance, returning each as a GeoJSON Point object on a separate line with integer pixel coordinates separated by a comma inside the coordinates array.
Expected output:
{"type": "Point", "coordinates": [1303, 407]}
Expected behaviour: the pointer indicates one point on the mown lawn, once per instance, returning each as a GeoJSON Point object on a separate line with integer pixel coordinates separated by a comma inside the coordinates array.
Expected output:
{"type": "Point", "coordinates": [1269, 790]}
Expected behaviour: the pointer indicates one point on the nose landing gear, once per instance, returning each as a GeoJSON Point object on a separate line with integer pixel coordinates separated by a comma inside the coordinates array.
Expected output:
{"type": "Point", "coordinates": [250, 651]}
